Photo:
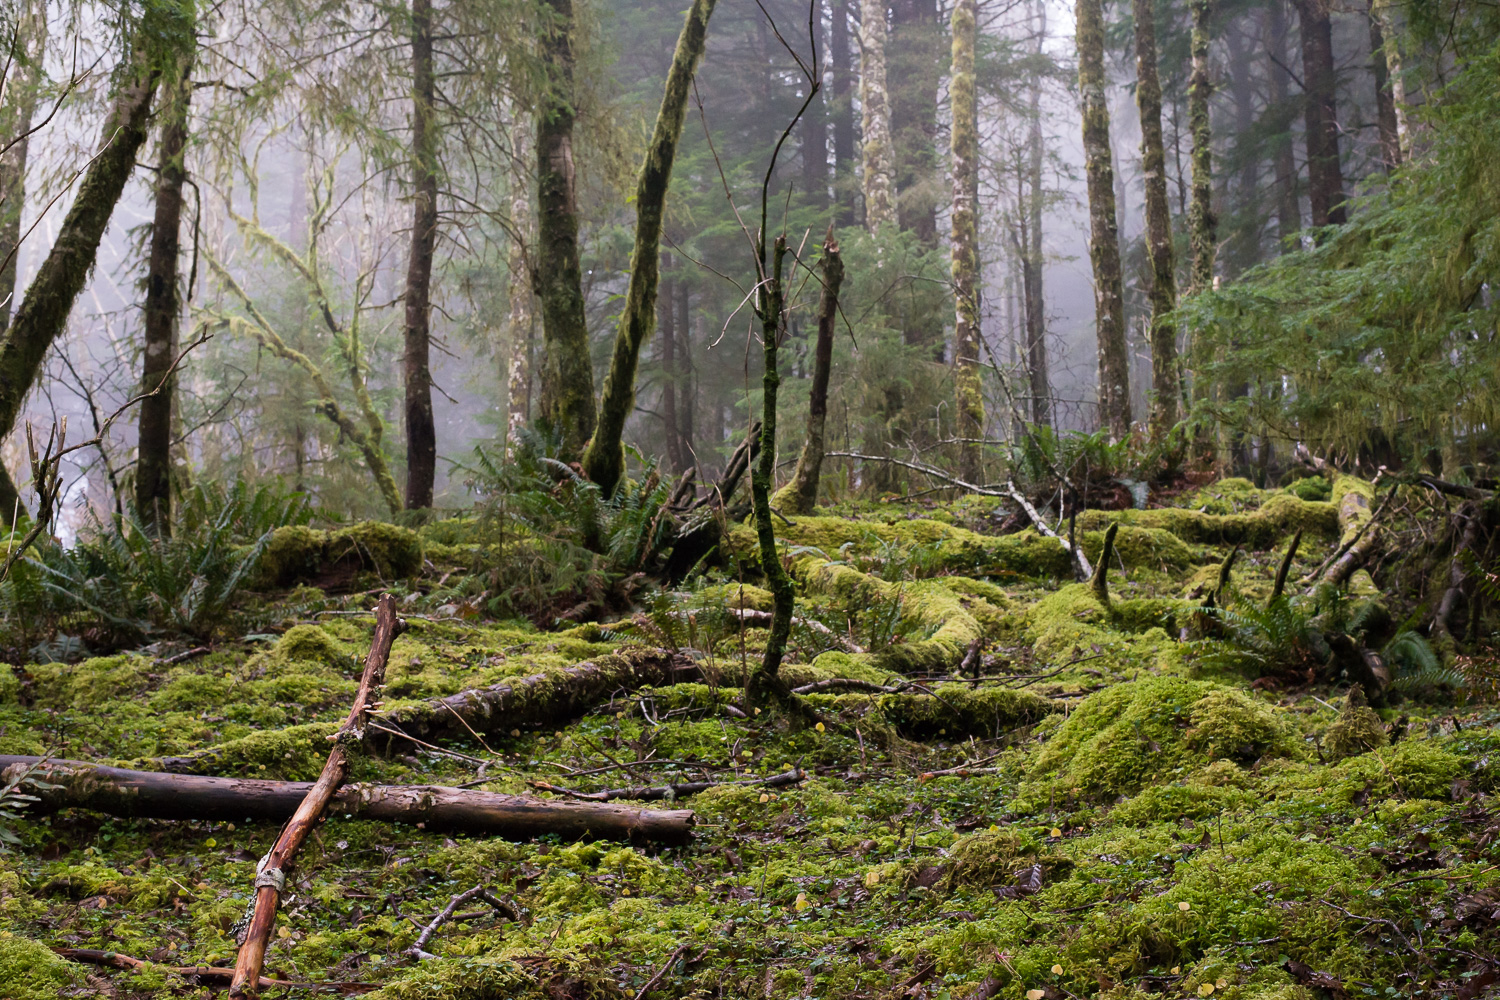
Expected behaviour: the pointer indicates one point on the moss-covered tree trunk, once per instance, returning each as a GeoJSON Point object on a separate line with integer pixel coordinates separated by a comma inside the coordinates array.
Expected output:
{"type": "Point", "coordinates": [520, 321]}
{"type": "Point", "coordinates": [801, 495]}
{"type": "Point", "coordinates": [153, 470]}
{"type": "Point", "coordinates": [567, 397]}
{"type": "Point", "coordinates": [1388, 62]}
{"type": "Point", "coordinates": [1165, 387]}
{"type": "Point", "coordinates": [44, 312]}
{"type": "Point", "coordinates": [1104, 234]}
{"type": "Point", "coordinates": [1031, 251]}
{"type": "Point", "coordinates": [1325, 175]}
{"type": "Point", "coordinates": [1201, 222]}
{"type": "Point", "coordinates": [965, 266]}
{"type": "Point", "coordinates": [604, 461]}
{"type": "Point", "coordinates": [879, 185]}
{"type": "Point", "coordinates": [421, 430]}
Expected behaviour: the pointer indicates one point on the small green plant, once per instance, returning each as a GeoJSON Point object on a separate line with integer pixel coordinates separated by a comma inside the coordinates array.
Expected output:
{"type": "Point", "coordinates": [15, 799]}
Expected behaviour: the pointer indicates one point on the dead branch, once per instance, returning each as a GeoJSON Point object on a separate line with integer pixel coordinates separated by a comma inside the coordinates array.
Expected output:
{"type": "Point", "coordinates": [203, 973]}
{"type": "Point", "coordinates": [503, 907]}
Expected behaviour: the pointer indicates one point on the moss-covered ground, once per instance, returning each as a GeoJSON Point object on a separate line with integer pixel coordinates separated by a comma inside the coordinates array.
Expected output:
{"type": "Point", "coordinates": [1097, 807]}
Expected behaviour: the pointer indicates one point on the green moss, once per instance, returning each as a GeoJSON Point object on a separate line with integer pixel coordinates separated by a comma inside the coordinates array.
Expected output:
{"type": "Point", "coordinates": [29, 970]}
{"type": "Point", "coordinates": [1154, 548]}
{"type": "Point", "coordinates": [462, 979]}
{"type": "Point", "coordinates": [1314, 488]}
{"type": "Point", "coordinates": [91, 684]}
{"type": "Point", "coordinates": [993, 857]}
{"type": "Point", "coordinates": [955, 710]}
{"type": "Point", "coordinates": [296, 753]}
{"type": "Point", "coordinates": [1279, 516]}
{"type": "Point", "coordinates": [734, 595]}
{"type": "Point", "coordinates": [1220, 787]}
{"type": "Point", "coordinates": [1358, 729]}
{"type": "Point", "coordinates": [298, 554]}
{"type": "Point", "coordinates": [311, 643]}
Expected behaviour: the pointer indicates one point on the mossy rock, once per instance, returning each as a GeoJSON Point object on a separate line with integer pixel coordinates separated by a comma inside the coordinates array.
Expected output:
{"type": "Point", "coordinates": [29, 970]}
{"type": "Point", "coordinates": [741, 596]}
{"type": "Point", "coordinates": [299, 554]}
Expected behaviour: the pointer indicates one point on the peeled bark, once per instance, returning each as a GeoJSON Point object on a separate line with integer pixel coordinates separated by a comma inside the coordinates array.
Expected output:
{"type": "Point", "coordinates": [1325, 175]}
{"type": "Point", "coordinates": [567, 399]}
{"type": "Point", "coordinates": [801, 495]}
{"type": "Point", "coordinates": [153, 470]}
{"type": "Point", "coordinates": [1104, 235]}
{"type": "Point", "coordinates": [965, 267]}
{"type": "Point", "coordinates": [44, 313]}
{"type": "Point", "coordinates": [421, 431]}
{"type": "Point", "coordinates": [152, 795]}
{"type": "Point", "coordinates": [604, 461]}
{"type": "Point", "coordinates": [879, 186]}
{"type": "Point", "coordinates": [1165, 386]}
{"type": "Point", "coordinates": [1201, 221]}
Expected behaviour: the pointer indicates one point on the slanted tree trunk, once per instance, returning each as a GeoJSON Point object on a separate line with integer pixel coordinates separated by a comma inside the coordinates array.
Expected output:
{"type": "Point", "coordinates": [879, 175]}
{"type": "Point", "coordinates": [800, 496]}
{"type": "Point", "coordinates": [1383, 24]}
{"type": "Point", "coordinates": [421, 430]}
{"type": "Point", "coordinates": [1385, 104]}
{"type": "Point", "coordinates": [44, 312]}
{"type": "Point", "coordinates": [153, 470]}
{"type": "Point", "coordinates": [1031, 248]}
{"type": "Point", "coordinates": [1288, 210]}
{"type": "Point", "coordinates": [841, 111]}
{"type": "Point", "coordinates": [1104, 234]}
{"type": "Point", "coordinates": [520, 322]}
{"type": "Point", "coordinates": [963, 96]}
{"type": "Point", "coordinates": [1202, 234]}
{"type": "Point", "coordinates": [29, 45]}
{"type": "Point", "coordinates": [567, 398]}
{"type": "Point", "coordinates": [1165, 387]}
{"type": "Point", "coordinates": [1325, 175]}
{"type": "Point", "coordinates": [604, 461]}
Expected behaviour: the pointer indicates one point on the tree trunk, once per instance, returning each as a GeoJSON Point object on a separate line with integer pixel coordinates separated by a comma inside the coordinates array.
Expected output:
{"type": "Point", "coordinates": [815, 138]}
{"type": "Point", "coordinates": [1201, 221]}
{"type": "Point", "coordinates": [963, 96]}
{"type": "Point", "coordinates": [567, 403]}
{"type": "Point", "coordinates": [669, 375]}
{"type": "Point", "coordinates": [1031, 250]}
{"type": "Point", "coordinates": [421, 431]}
{"type": "Point", "coordinates": [153, 470]}
{"type": "Point", "coordinates": [1288, 211]}
{"type": "Point", "coordinates": [841, 111]}
{"type": "Point", "coordinates": [44, 313]}
{"type": "Point", "coordinates": [1104, 234]}
{"type": "Point", "coordinates": [1390, 50]}
{"type": "Point", "coordinates": [521, 322]}
{"type": "Point", "coordinates": [1385, 105]}
{"type": "Point", "coordinates": [1243, 243]}
{"type": "Point", "coordinates": [1325, 176]}
{"type": "Point", "coordinates": [879, 180]}
{"type": "Point", "coordinates": [1163, 291]}
{"type": "Point", "coordinates": [801, 494]}
{"type": "Point", "coordinates": [152, 795]}
{"type": "Point", "coordinates": [686, 384]}
{"type": "Point", "coordinates": [914, 59]}
{"type": "Point", "coordinates": [604, 461]}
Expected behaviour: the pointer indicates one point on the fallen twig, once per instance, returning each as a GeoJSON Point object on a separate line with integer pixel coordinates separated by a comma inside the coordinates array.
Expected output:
{"type": "Point", "coordinates": [418, 951]}
{"type": "Point", "coordinates": [183, 657]}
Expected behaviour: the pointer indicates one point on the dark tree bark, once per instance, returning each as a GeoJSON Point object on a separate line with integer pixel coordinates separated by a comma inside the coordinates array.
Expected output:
{"type": "Point", "coordinates": [421, 431]}
{"type": "Point", "coordinates": [967, 283]}
{"type": "Point", "coordinates": [801, 495]}
{"type": "Point", "coordinates": [1288, 210]}
{"type": "Point", "coordinates": [1325, 175]}
{"type": "Point", "coordinates": [1385, 103]}
{"type": "Point", "coordinates": [604, 461]}
{"type": "Point", "coordinates": [1104, 234]}
{"type": "Point", "coordinates": [841, 111]}
{"type": "Point", "coordinates": [1163, 291]}
{"type": "Point", "coordinates": [153, 471]}
{"type": "Point", "coordinates": [915, 66]}
{"type": "Point", "coordinates": [567, 390]}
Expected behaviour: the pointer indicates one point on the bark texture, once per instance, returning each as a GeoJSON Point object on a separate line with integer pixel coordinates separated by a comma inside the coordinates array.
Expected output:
{"type": "Point", "coordinates": [153, 795]}
{"type": "Point", "coordinates": [604, 461]}
{"type": "Point", "coordinates": [421, 430]}
{"type": "Point", "coordinates": [153, 470]}
{"type": "Point", "coordinates": [1388, 61]}
{"type": "Point", "coordinates": [521, 321]}
{"type": "Point", "coordinates": [879, 185]}
{"type": "Point", "coordinates": [1202, 225]}
{"type": "Point", "coordinates": [1030, 249]}
{"type": "Point", "coordinates": [1104, 234]}
{"type": "Point", "coordinates": [801, 495]}
{"type": "Point", "coordinates": [567, 398]}
{"type": "Point", "coordinates": [1325, 175]}
{"type": "Point", "coordinates": [965, 265]}
{"type": "Point", "coordinates": [1165, 386]}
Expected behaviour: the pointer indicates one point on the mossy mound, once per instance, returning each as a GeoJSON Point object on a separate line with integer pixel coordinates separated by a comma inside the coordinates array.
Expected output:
{"type": "Point", "coordinates": [299, 554]}
{"type": "Point", "coordinates": [1358, 730]}
{"type": "Point", "coordinates": [1210, 791]}
{"type": "Point", "coordinates": [998, 856]}
{"type": "Point", "coordinates": [1120, 739]}
{"type": "Point", "coordinates": [29, 970]}
{"type": "Point", "coordinates": [90, 684]}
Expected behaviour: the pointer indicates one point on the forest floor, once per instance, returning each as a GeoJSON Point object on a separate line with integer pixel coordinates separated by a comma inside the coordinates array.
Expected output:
{"type": "Point", "coordinates": [1070, 799]}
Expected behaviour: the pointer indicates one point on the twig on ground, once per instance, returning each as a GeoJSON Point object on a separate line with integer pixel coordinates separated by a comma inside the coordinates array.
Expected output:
{"type": "Point", "coordinates": [503, 907]}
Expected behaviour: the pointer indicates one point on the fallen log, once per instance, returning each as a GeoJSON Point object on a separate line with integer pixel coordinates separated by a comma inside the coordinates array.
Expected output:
{"type": "Point", "coordinates": [270, 877]}
{"type": "Point", "coordinates": [154, 795]}
{"type": "Point", "coordinates": [551, 697]}
{"type": "Point", "coordinates": [644, 793]}
{"type": "Point", "coordinates": [202, 973]}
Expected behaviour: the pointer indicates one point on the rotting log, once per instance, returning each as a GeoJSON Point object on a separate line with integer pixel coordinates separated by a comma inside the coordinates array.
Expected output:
{"type": "Point", "coordinates": [270, 878]}
{"type": "Point", "coordinates": [155, 795]}
{"type": "Point", "coordinates": [554, 696]}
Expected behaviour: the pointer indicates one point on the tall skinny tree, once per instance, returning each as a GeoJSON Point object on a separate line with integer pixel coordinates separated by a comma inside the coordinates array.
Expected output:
{"type": "Point", "coordinates": [1325, 175]}
{"type": "Point", "coordinates": [153, 471]}
{"type": "Point", "coordinates": [604, 461]}
{"type": "Point", "coordinates": [875, 118]}
{"type": "Point", "coordinates": [1030, 250]}
{"type": "Point", "coordinates": [963, 97]}
{"type": "Point", "coordinates": [421, 430]}
{"type": "Point", "coordinates": [1201, 223]}
{"type": "Point", "coordinates": [1163, 291]}
{"type": "Point", "coordinates": [1104, 234]}
{"type": "Point", "coordinates": [567, 397]}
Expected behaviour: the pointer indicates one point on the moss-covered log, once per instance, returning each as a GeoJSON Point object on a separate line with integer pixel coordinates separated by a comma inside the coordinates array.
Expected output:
{"type": "Point", "coordinates": [604, 461]}
{"type": "Point", "coordinates": [330, 559]}
{"type": "Point", "coordinates": [149, 794]}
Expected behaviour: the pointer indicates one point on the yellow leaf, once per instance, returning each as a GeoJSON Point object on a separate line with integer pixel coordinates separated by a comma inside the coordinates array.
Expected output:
{"type": "Point", "coordinates": [516, 732]}
{"type": "Point", "coordinates": [819, 727]}
{"type": "Point", "coordinates": [1222, 983]}
{"type": "Point", "coordinates": [757, 711]}
{"type": "Point", "coordinates": [283, 932]}
{"type": "Point", "coordinates": [1057, 970]}
{"type": "Point", "coordinates": [764, 797]}
{"type": "Point", "coordinates": [1035, 994]}
{"type": "Point", "coordinates": [802, 902]}
{"type": "Point", "coordinates": [1176, 970]}
{"type": "Point", "coordinates": [1056, 832]}
{"type": "Point", "coordinates": [624, 892]}
{"type": "Point", "coordinates": [872, 878]}
{"type": "Point", "coordinates": [1184, 906]}
{"type": "Point", "coordinates": [1205, 989]}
